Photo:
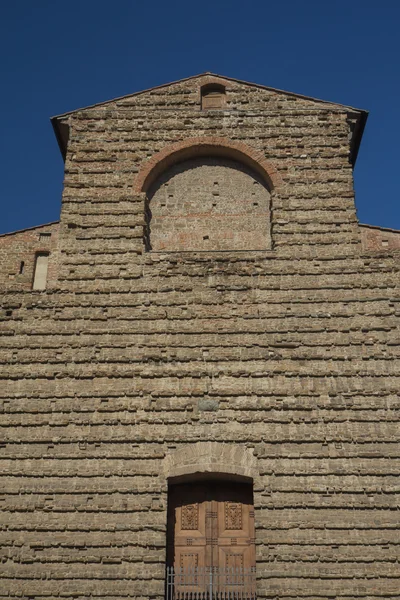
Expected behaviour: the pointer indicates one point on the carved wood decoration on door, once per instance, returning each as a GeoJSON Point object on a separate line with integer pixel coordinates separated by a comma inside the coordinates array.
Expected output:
{"type": "Point", "coordinates": [211, 530]}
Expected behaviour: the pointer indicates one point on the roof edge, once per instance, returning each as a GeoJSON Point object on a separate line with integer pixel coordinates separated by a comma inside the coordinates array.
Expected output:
{"type": "Point", "coordinates": [379, 228]}
{"type": "Point", "coordinates": [29, 228]}
{"type": "Point", "coordinates": [61, 129]}
{"type": "Point", "coordinates": [210, 74]}
{"type": "Point", "coordinates": [357, 136]}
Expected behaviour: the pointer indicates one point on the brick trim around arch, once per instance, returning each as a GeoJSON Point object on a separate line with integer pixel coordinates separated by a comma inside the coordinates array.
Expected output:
{"type": "Point", "coordinates": [200, 146]}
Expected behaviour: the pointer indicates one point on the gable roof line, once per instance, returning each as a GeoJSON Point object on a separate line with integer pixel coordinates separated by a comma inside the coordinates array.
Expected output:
{"type": "Point", "coordinates": [29, 228]}
{"type": "Point", "coordinates": [209, 74]}
{"type": "Point", "coordinates": [61, 127]}
{"type": "Point", "coordinates": [390, 229]}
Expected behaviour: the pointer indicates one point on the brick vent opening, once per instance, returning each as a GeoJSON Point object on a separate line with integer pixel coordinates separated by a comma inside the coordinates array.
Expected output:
{"type": "Point", "coordinates": [213, 97]}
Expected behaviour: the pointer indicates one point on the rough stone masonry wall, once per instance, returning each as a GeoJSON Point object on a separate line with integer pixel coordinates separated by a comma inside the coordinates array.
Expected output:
{"type": "Point", "coordinates": [293, 351]}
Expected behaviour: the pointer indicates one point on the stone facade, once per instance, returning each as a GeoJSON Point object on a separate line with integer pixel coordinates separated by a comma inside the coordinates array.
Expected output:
{"type": "Point", "coordinates": [275, 357]}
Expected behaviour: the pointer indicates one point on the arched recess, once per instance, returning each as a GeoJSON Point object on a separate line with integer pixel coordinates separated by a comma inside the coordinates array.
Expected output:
{"type": "Point", "coordinates": [206, 194]}
{"type": "Point", "coordinates": [211, 458]}
{"type": "Point", "coordinates": [210, 520]}
{"type": "Point", "coordinates": [213, 96]}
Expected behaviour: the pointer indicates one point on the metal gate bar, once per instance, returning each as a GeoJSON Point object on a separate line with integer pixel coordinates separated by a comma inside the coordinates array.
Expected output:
{"type": "Point", "coordinates": [206, 583]}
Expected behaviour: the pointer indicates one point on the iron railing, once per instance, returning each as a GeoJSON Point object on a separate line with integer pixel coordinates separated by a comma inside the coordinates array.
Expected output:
{"type": "Point", "coordinates": [210, 583]}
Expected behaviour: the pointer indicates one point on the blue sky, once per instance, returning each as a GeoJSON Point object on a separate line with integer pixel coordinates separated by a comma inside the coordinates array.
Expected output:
{"type": "Point", "coordinates": [58, 56]}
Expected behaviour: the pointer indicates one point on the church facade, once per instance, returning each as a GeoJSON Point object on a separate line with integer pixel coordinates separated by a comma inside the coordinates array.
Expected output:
{"type": "Point", "coordinates": [200, 360]}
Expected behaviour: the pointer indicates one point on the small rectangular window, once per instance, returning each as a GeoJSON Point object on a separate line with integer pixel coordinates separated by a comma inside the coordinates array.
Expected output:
{"type": "Point", "coordinates": [40, 272]}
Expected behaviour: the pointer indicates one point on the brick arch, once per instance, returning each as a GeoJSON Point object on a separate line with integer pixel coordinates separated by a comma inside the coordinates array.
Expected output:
{"type": "Point", "coordinates": [211, 458]}
{"type": "Point", "coordinates": [206, 146]}
{"type": "Point", "coordinates": [211, 79]}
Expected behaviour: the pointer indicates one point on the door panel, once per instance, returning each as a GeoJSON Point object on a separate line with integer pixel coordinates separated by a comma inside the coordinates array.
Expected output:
{"type": "Point", "coordinates": [235, 538]}
{"type": "Point", "coordinates": [188, 513]}
{"type": "Point", "coordinates": [211, 524]}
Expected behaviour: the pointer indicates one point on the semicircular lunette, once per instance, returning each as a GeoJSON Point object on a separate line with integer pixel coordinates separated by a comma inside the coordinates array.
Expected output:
{"type": "Point", "coordinates": [208, 203]}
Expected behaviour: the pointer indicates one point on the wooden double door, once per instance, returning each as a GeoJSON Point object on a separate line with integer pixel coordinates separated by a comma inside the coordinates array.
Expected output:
{"type": "Point", "coordinates": [211, 527]}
